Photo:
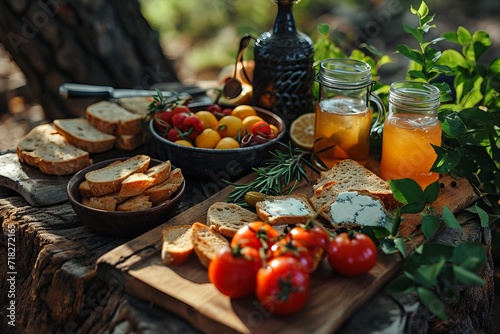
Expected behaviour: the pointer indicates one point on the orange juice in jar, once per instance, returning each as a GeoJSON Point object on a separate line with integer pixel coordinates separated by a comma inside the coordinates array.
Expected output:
{"type": "Point", "coordinates": [409, 130]}
{"type": "Point", "coordinates": [343, 115]}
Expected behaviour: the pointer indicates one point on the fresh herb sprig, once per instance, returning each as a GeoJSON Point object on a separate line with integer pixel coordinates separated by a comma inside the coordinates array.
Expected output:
{"type": "Point", "coordinates": [282, 172]}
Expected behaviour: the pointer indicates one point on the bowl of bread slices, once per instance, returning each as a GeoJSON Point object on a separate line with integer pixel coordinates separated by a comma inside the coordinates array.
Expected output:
{"type": "Point", "coordinates": [209, 159]}
{"type": "Point", "coordinates": [125, 197]}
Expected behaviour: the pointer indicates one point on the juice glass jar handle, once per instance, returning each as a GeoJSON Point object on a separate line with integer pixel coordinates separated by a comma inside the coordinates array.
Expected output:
{"type": "Point", "coordinates": [381, 113]}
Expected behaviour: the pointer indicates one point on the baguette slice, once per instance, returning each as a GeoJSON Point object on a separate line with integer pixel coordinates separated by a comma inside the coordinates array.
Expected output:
{"type": "Point", "coordinates": [79, 132]}
{"type": "Point", "coordinates": [136, 203]}
{"type": "Point", "coordinates": [207, 243]}
{"type": "Point", "coordinates": [228, 218]}
{"type": "Point", "coordinates": [177, 245]}
{"type": "Point", "coordinates": [46, 149]}
{"type": "Point", "coordinates": [350, 175]}
{"type": "Point", "coordinates": [286, 209]}
{"type": "Point", "coordinates": [112, 119]}
{"type": "Point", "coordinates": [136, 104]}
{"type": "Point", "coordinates": [137, 183]}
{"type": "Point", "coordinates": [163, 191]}
{"type": "Point", "coordinates": [108, 179]}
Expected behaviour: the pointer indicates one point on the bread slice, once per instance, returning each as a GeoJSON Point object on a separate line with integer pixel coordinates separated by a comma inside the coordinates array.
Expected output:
{"type": "Point", "coordinates": [351, 208]}
{"type": "Point", "coordinates": [207, 243]}
{"type": "Point", "coordinates": [228, 218]}
{"type": "Point", "coordinates": [350, 175]}
{"type": "Point", "coordinates": [136, 203]}
{"type": "Point", "coordinates": [136, 104]}
{"type": "Point", "coordinates": [129, 142]}
{"type": "Point", "coordinates": [285, 209]}
{"type": "Point", "coordinates": [137, 183]}
{"type": "Point", "coordinates": [177, 245]}
{"type": "Point", "coordinates": [46, 149]}
{"type": "Point", "coordinates": [112, 119]}
{"type": "Point", "coordinates": [108, 179]}
{"type": "Point", "coordinates": [106, 202]}
{"type": "Point", "coordinates": [163, 191]}
{"type": "Point", "coordinates": [79, 132]}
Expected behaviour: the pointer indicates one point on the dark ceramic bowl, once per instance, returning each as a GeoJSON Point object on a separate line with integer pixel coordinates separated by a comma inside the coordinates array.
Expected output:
{"type": "Point", "coordinates": [117, 223]}
{"type": "Point", "coordinates": [215, 164]}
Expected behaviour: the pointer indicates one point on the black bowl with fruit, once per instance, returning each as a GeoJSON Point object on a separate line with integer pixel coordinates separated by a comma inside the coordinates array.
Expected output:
{"type": "Point", "coordinates": [212, 141]}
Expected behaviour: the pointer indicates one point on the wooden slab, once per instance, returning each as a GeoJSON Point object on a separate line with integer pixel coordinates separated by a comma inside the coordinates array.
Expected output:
{"type": "Point", "coordinates": [186, 291]}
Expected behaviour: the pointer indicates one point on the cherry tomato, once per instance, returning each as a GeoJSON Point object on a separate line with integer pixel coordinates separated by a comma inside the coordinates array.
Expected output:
{"type": "Point", "coordinates": [173, 135]}
{"type": "Point", "coordinates": [160, 122]}
{"type": "Point", "coordinates": [256, 235]}
{"type": "Point", "coordinates": [261, 128]}
{"type": "Point", "coordinates": [315, 238]}
{"type": "Point", "coordinates": [283, 286]}
{"type": "Point", "coordinates": [167, 115]}
{"type": "Point", "coordinates": [234, 271]}
{"type": "Point", "coordinates": [352, 253]}
{"type": "Point", "coordinates": [288, 247]}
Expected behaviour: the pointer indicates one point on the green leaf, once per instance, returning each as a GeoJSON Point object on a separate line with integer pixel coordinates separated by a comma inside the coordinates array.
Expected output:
{"type": "Point", "coordinates": [432, 302]}
{"type": "Point", "coordinates": [452, 58]}
{"type": "Point", "coordinates": [467, 277]}
{"type": "Point", "coordinates": [495, 66]}
{"type": "Point", "coordinates": [446, 161]}
{"type": "Point", "coordinates": [426, 275]}
{"type": "Point", "coordinates": [415, 32]}
{"type": "Point", "coordinates": [430, 225]}
{"type": "Point", "coordinates": [450, 36]}
{"type": "Point", "coordinates": [431, 192]}
{"type": "Point", "coordinates": [483, 216]}
{"type": "Point", "coordinates": [469, 255]}
{"type": "Point", "coordinates": [387, 246]}
{"type": "Point", "coordinates": [423, 10]}
{"type": "Point", "coordinates": [408, 192]}
{"type": "Point", "coordinates": [400, 285]}
{"type": "Point", "coordinates": [417, 74]}
{"type": "Point", "coordinates": [449, 218]}
{"type": "Point", "coordinates": [399, 243]}
{"type": "Point", "coordinates": [463, 36]}
{"type": "Point", "coordinates": [411, 54]}
{"type": "Point", "coordinates": [323, 29]}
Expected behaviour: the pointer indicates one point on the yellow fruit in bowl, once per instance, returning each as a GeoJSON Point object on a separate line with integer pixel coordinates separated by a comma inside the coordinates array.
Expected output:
{"type": "Point", "coordinates": [302, 131]}
{"type": "Point", "coordinates": [249, 121]}
{"type": "Point", "coordinates": [209, 120]}
{"type": "Point", "coordinates": [183, 142]}
{"type": "Point", "coordinates": [243, 111]}
{"type": "Point", "coordinates": [208, 138]}
{"type": "Point", "coordinates": [230, 126]}
{"type": "Point", "coordinates": [227, 143]}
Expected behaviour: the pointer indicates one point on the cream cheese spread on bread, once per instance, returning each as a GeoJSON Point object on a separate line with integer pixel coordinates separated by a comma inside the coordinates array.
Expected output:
{"type": "Point", "coordinates": [286, 207]}
{"type": "Point", "coordinates": [352, 207]}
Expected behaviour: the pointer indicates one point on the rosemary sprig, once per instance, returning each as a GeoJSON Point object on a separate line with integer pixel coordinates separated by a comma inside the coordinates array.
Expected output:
{"type": "Point", "coordinates": [284, 168]}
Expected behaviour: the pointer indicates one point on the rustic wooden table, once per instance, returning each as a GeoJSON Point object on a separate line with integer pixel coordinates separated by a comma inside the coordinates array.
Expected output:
{"type": "Point", "coordinates": [52, 285]}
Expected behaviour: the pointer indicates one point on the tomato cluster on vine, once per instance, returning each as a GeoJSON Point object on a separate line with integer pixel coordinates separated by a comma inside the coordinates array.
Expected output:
{"type": "Point", "coordinates": [276, 268]}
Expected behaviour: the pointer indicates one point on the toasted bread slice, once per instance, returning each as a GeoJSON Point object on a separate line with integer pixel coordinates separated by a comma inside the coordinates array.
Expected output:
{"type": "Point", "coordinates": [82, 134]}
{"type": "Point", "coordinates": [163, 191]}
{"type": "Point", "coordinates": [228, 218]}
{"type": "Point", "coordinates": [46, 149]}
{"type": "Point", "coordinates": [286, 209]}
{"type": "Point", "coordinates": [136, 104]}
{"type": "Point", "coordinates": [350, 175]}
{"type": "Point", "coordinates": [108, 179]}
{"type": "Point", "coordinates": [112, 119]}
{"type": "Point", "coordinates": [129, 142]}
{"type": "Point", "coordinates": [207, 243]}
{"type": "Point", "coordinates": [106, 202]}
{"type": "Point", "coordinates": [177, 245]}
{"type": "Point", "coordinates": [136, 203]}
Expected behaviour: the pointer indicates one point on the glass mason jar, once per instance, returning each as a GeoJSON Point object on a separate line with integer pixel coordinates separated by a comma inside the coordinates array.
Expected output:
{"type": "Point", "coordinates": [343, 113]}
{"type": "Point", "coordinates": [410, 129]}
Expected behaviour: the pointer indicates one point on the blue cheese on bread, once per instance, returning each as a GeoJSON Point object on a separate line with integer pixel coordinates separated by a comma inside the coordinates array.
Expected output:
{"type": "Point", "coordinates": [286, 209]}
{"type": "Point", "coordinates": [353, 207]}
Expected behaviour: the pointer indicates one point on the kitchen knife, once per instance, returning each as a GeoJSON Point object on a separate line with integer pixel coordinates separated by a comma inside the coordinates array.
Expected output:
{"type": "Point", "coordinates": [69, 90]}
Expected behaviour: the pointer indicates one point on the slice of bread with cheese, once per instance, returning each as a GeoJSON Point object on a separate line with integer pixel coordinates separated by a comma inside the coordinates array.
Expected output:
{"type": "Point", "coordinates": [228, 218]}
{"type": "Point", "coordinates": [177, 245]}
{"type": "Point", "coordinates": [110, 118]}
{"type": "Point", "coordinates": [350, 175]}
{"type": "Point", "coordinates": [106, 180]}
{"type": "Point", "coordinates": [207, 243]}
{"type": "Point", "coordinates": [82, 134]}
{"type": "Point", "coordinates": [46, 149]}
{"type": "Point", "coordinates": [286, 209]}
{"type": "Point", "coordinates": [163, 191]}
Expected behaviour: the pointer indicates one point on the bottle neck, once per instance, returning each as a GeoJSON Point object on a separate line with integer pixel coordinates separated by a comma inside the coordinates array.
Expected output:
{"type": "Point", "coordinates": [284, 22]}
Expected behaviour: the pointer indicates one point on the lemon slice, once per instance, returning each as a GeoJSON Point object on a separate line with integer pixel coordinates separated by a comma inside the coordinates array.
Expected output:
{"type": "Point", "coordinates": [302, 131]}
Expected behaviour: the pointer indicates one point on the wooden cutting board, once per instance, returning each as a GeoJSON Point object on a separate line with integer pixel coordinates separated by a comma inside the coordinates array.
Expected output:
{"type": "Point", "coordinates": [185, 290]}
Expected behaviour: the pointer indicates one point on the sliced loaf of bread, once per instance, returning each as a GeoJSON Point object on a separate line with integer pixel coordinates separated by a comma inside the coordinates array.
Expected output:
{"type": "Point", "coordinates": [228, 218]}
{"type": "Point", "coordinates": [110, 118]}
{"type": "Point", "coordinates": [82, 134]}
{"type": "Point", "coordinates": [46, 149]}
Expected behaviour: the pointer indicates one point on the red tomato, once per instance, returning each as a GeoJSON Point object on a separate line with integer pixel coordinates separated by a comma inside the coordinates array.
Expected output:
{"type": "Point", "coordinates": [261, 128]}
{"type": "Point", "coordinates": [352, 254]}
{"type": "Point", "coordinates": [283, 286]}
{"type": "Point", "coordinates": [160, 121]}
{"type": "Point", "coordinates": [234, 271]}
{"type": "Point", "coordinates": [315, 238]}
{"type": "Point", "coordinates": [256, 235]}
{"type": "Point", "coordinates": [289, 247]}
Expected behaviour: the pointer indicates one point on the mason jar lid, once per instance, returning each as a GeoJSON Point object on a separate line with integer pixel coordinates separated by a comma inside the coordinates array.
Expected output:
{"type": "Point", "coordinates": [344, 73]}
{"type": "Point", "coordinates": [414, 95]}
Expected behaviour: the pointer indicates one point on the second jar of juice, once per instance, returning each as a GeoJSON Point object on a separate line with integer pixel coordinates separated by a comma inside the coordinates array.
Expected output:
{"type": "Point", "coordinates": [410, 130]}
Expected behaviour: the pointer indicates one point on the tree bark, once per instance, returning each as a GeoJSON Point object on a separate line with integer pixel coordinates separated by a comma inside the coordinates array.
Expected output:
{"type": "Point", "coordinates": [83, 41]}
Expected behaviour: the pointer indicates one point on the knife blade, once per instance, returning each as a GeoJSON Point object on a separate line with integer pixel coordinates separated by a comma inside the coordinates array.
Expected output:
{"type": "Point", "coordinates": [70, 90]}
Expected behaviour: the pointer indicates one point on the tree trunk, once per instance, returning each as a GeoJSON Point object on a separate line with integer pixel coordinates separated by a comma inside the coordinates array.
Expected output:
{"type": "Point", "coordinates": [83, 41]}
